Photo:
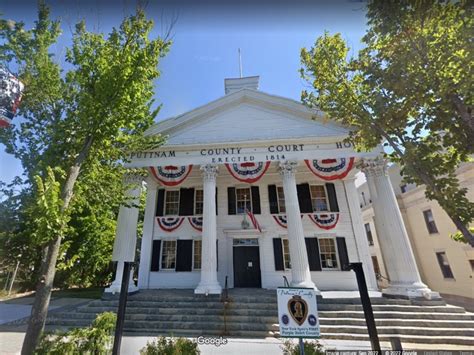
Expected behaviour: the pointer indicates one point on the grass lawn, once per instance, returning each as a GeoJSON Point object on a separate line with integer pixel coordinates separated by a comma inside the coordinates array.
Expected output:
{"type": "Point", "coordinates": [92, 292]}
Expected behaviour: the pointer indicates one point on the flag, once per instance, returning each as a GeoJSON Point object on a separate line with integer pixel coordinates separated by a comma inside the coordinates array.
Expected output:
{"type": "Point", "coordinates": [254, 221]}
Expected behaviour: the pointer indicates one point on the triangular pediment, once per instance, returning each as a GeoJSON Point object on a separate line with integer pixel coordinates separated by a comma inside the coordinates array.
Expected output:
{"type": "Point", "coordinates": [247, 116]}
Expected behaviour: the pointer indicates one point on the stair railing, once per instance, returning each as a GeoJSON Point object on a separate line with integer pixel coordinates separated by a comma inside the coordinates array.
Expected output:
{"type": "Point", "coordinates": [285, 282]}
{"type": "Point", "coordinates": [225, 300]}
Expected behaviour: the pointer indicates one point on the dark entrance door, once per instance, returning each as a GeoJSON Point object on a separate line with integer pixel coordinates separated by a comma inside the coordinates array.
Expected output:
{"type": "Point", "coordinates": [247, 266]}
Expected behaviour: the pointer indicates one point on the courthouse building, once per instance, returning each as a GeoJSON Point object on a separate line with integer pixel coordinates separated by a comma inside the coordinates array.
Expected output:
{"type": "Point", "coordinates": [445, 265]}
{"type": "Point", "coordinates": [289, 167]}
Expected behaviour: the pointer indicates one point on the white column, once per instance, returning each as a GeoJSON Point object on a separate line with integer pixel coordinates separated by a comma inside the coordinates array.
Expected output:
{"type": "Point", "coordinates": [392, 236]}
{"type": "Point", "coordinates": [209, 283]}
{"type": "Point", "coordinates": [126, 233]}
{"type": "Point", "coordinates": [147, 237]}
{"type": "Point", "coordinates": [360, 236]}
{"type": "Point", "coordinates": [300, 274]}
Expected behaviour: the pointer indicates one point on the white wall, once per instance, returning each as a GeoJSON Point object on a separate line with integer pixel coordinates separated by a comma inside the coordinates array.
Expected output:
{"type": "Point", "coordinates": [325, 280]}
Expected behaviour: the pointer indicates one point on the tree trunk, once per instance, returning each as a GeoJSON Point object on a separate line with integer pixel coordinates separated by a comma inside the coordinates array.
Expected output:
{"type": "Point", "coordinates": [39, 310]}
{"type": "Point", "coordinates": [44, 287]}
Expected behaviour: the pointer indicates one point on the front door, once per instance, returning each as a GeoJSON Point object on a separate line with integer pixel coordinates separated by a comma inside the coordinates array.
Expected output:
{"type": "Point", "coordinates": [247, 266]}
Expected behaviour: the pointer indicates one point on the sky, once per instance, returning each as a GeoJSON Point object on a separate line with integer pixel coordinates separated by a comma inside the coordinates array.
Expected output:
{"type": "Point", "coordinates": [206, 38]}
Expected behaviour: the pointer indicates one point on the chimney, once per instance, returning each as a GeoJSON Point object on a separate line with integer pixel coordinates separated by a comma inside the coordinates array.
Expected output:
{"type": "Point", "coordinates": [236, 84]}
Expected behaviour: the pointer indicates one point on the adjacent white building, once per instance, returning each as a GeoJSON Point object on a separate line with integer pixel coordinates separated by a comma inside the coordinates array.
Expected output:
{"type": "Point", "coordinates": [290, 168]}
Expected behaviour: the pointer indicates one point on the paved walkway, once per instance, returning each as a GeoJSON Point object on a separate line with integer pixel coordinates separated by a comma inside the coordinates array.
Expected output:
{"type": "Point", "coordinates": [18, 308]}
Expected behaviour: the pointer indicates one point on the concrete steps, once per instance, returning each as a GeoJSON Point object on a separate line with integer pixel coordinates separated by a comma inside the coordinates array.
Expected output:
{"type": "Point", "coordinates": [180, 313]}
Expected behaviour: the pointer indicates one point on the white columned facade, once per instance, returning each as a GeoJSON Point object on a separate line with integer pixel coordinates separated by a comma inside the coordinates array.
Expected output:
{"type": "Point", "coordinates": [397, 253]}
{"type": "Point", "coordinates": [362, 244]}
{"type": "Point", "coordinates": [147, 237]}
{"type": "Point", "coordinates": [300, 274]}
{"type": "Point", "coordinates": [209, 283]}
{"type": "Point", "coordinates": [126, 234]}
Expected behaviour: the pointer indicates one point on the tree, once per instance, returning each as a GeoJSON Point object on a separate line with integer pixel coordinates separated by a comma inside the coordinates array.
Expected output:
{"type": "Point", "coordinates": [78, 119]}
{"type": "Point", "coordinates": [410, 86]}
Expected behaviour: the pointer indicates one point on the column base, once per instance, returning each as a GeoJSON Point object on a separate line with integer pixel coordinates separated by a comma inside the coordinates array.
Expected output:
{"type": "Point", "coordinates": [208, 289]}
{"type": "Point", "coordinates": [413, 291]}
{"type": "Point", "coordinates": [306, 284]}
{"type": "Point", "coordinates": [115, 288]}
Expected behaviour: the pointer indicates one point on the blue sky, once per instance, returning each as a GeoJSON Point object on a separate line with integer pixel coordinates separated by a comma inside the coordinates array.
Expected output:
{"type": "Point", "coordinates": [206, 38]}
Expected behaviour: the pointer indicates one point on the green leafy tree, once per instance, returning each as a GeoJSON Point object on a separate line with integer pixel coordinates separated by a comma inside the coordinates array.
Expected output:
{"type": "Point", "coordinates": [77, 118]}
{"type": "Point", "coordinates": [410, 86]}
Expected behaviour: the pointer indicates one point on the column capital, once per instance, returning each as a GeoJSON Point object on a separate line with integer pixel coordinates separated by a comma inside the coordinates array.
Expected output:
{"type": "Point", "coordinates": [287, 167]}
{"type": "Point", "coordinates": [209, 171]}
{"type": "Point", "coordinates": [132, 178]}
{"type": "Point", "coordinates": [373, 167]}
{"type": "Point", "coordinates": [151, 183]}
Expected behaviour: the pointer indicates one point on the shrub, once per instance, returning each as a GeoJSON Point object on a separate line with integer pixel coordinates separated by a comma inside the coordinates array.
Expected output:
{"type": "Point", "coordinates": [310, 348]}
{"type": "Point", "coordinates": [171, 346]}
{"type": "Point", "coordinates": [96, 339]}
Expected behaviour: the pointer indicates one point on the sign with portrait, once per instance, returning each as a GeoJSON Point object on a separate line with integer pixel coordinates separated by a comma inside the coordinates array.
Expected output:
{"type": "Point", "coordinates": [298, 312]}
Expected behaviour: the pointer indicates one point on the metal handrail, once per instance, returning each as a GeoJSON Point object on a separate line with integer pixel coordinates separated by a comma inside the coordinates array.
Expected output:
{"type": "Point", "coordinates": [226, 290]}
{"type": "Point", "coordinates": [225, 300]}
{"type": "Point", "coordinates": [285, 282]}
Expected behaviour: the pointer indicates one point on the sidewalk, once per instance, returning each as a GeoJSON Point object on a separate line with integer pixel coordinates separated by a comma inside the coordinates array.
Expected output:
{"type": "Point", "coordinates": [10, 343]}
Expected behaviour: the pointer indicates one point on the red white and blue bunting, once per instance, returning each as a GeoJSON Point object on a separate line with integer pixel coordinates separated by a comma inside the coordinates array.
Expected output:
{"type": "Point", "coordinates": [169, 224]}
{"type": "Point", "coordinates": [330, 169]}
{"type": "Point", "coordinates": [282, 220]}
{"type": "Point", "coordinates": [171, 175]}
{"type": "Point", "coordinates": [10, 96]}
{"type": "Point", "coordinates": [196, 223]}
{"type": "Point", "coordinates": [324, 221]}
{"type": "Point", "coordinates": [248, 172]}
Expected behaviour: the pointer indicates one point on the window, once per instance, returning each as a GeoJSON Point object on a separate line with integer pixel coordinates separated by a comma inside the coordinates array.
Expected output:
{"type": "Point", "coordinates": [172, 203]}
{"type": "Point", "coordinates": [327, 250]}
{"type": "Point", "coordinates": [472, 264]}
{"type": "Point", "coordinates": [444, 265]}
{"type": "Point", "coordinates": [198, 202]}
{"type": "Point", "coordinates": [286, 254]}
{"type": "Point", "coordinates": [376, 265]}
{"type": "Point", "coordinates": [368, 231]}
{"type": "Point", "coordinates": [318, 198]}
{"type": "Point", "coordinates": [403, 188]}
{"type": "Point", "coordinates": [281, 200]}
{"type": "Point", "coordinates": [197, 254]}
{"type": "Point", "coordinates": [244, 200]}
{"type": "Point", "coordinates": [168, 255]}
{"type": "Point", "coordinates": [430, 222]}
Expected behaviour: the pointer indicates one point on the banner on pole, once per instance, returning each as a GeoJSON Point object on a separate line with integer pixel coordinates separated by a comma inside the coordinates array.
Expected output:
{"type": "Point", "coordinates": [298, 312]}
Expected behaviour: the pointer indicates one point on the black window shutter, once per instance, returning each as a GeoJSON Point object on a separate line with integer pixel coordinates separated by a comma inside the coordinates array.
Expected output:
{"type": "Point", "coordinates": [160, 203]}
{"type": "Point", "coordinates": [333, 206]}
{"type": "Point", "coordinates": [304, 198]}
{"type": "Point", "coordinates": [217, 255]}
{"type": "Point", "coordinates": [312, 249]}
{"type": "Point", "coordinates": [342, 250]}
{"type": "Point", "coordinates": [184, 255]}
{"type": "Point", "coordinates": [278, 254]}
{"type": "Point", "coordinates": [186, 202]}
{"type": "Point", "coordinates": [255, 200]}
{"type": "Point", "coordinates": [155, 255]}
{"type": "Point", "coordinates": [231, 203]}
{"type": "Point", "coordinates": [216, 202]}
{"type": "Point", "coordinates": [273, 199]}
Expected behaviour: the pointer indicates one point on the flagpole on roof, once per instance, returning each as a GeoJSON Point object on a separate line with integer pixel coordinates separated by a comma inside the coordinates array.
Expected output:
{"type": "Point", "coordinates": [240, 63]}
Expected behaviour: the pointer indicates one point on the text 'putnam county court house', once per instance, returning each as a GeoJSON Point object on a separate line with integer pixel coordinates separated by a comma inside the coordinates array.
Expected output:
{"type": "Point", "coordinates": [288, 167]}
